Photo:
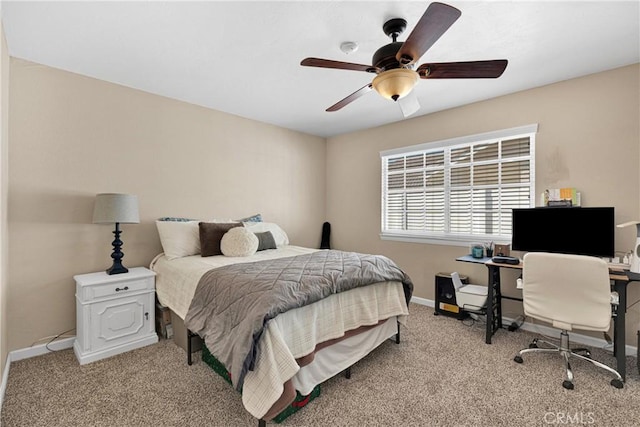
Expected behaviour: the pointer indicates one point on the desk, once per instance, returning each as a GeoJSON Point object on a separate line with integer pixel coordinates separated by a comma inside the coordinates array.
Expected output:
{"type": "Point", "coordinates": [494, 304]}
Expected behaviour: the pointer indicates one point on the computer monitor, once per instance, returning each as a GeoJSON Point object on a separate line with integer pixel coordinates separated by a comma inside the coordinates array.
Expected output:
{"type": "Point", "coordinates": [569, 230]}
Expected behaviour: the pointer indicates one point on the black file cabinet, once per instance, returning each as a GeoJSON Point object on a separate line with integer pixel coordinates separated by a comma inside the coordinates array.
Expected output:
{"type": "Point", "coordinates": [446, 296]}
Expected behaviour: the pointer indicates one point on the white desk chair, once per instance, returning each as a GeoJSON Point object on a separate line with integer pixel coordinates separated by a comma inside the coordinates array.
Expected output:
{"type": "Point", "coordinates": [471, 298]}
{"type": "Point", "coordinates": [567, 291]}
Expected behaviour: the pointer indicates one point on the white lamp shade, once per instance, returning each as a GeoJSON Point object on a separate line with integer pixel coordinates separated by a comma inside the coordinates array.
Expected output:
{"type": "Point", "coordinates": [113, 208]}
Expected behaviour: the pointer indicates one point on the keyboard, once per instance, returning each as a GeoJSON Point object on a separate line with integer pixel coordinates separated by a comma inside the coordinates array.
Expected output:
{"type": "Point", "coordinates": [506, 260]}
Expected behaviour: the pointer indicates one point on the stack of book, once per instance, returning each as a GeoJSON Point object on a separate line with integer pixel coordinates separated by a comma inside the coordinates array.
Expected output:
{"type": "Point", "coordinates": [565, 197]}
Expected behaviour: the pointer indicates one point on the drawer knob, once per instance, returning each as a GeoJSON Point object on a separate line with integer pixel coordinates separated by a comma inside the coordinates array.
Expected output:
{"type": "Point", "coordinates": [126, 288]}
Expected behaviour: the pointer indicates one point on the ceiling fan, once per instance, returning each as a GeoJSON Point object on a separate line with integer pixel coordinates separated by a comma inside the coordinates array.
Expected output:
{"type": "Point", "coordinates": [394, 63]}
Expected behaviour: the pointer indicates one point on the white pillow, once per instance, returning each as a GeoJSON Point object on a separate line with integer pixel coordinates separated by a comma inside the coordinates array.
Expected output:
{"type": "Point", "coordinates": [278, 233]}
{"type": "Point", "coordinates": [239, 242]}
{"type": "Point", "coordinates": [179, 238]}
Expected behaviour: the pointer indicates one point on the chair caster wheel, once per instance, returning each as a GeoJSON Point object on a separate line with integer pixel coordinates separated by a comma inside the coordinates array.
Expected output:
{"type": "Point", "coordinates": [518, 359]}
{"type": "Point", "coordinates": [617, 383]}
{"type": "Point", "coordinates": [567, 384]}
{"type": "Point", "coordinates": [533, 345]}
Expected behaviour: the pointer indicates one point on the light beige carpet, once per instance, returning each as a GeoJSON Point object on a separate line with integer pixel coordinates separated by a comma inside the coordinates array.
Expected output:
{"type": "Point", "coordinates": [441, 374]}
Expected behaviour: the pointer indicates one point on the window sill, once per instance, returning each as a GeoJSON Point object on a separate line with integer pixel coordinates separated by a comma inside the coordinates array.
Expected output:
{"type": "Point", "coordinates": [444, 240]}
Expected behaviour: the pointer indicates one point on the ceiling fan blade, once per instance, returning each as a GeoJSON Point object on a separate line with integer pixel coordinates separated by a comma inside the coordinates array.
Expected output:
{"type": "Point", "coordinates": [349, 99]}
{"type": "Point", "coordinates": [463, 70]}
{"type": "Point", "coordinates": [328, 63]}
{"type": "Point", "coordinates": [409, 104]}
{"type": "Point", "coordinates": [436, 20]}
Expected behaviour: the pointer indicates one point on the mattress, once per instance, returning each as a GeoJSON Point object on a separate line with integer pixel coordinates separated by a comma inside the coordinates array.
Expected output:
{"type": "Point", "coordinates": [177, 279]}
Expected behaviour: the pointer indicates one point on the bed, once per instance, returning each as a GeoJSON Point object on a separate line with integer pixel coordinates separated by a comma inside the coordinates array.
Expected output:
{"type": "Point", "coordinates": [298, 346]}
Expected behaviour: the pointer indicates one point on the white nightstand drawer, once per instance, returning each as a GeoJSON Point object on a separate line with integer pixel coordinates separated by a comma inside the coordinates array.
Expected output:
{"type": "Point", "coordinates": [119, 288]}
{"type": "Point", "coordinates": [95, 286]}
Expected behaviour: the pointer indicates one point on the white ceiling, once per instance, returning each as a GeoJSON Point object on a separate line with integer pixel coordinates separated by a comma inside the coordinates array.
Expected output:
{"type": "Point", "coordinates": [243, 57]}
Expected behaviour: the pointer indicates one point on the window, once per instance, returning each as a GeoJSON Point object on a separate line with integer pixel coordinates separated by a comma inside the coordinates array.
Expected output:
{"type": "Point", "coordinates": [460, 190]}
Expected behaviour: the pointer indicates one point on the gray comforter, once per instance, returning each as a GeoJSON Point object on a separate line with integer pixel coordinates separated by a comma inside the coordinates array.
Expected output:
{"type": "Point", "coordinates": [232, 304]}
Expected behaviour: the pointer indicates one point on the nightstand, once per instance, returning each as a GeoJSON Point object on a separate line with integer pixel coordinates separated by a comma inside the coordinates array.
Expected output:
{"type": "Point", "coordinates": [114, 313]}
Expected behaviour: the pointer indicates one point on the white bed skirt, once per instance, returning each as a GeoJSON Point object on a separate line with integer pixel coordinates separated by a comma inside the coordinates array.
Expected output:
{"type": "Point", "coordinates": [337, 357]}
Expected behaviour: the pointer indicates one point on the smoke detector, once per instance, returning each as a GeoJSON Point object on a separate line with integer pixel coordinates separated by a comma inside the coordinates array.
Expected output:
{"type": "Point", "coordinates": [348, 47]}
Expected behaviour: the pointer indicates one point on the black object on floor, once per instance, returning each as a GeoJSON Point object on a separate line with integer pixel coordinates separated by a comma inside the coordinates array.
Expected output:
{"type": "Point", "coordinates": [446, 297]}
{"type": "Point", "coordinates": [326, 236]}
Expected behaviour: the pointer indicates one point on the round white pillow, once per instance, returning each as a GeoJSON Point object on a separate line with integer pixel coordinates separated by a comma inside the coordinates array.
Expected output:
{"type": "Point", "coordinates": [239, 242]}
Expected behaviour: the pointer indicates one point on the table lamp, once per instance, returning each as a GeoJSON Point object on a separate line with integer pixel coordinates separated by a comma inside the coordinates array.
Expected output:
{"type": "Point", "coordinates": [113, 208]}
{"type": "Point", "coordinates": [634, 266]}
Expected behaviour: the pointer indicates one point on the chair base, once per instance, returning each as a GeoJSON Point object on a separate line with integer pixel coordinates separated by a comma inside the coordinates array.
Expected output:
{"type": "Point", "coordinates": [566, 352]}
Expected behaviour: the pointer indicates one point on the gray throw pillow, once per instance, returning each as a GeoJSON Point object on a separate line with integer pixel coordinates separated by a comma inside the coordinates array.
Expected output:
{"type": "Point", "coordinates": [265, 241]}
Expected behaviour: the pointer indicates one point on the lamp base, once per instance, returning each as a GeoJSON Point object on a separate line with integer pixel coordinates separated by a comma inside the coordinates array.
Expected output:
{"type": "Point", "coordinates": [117, 269]}
{"type": "Point", "coordinates": [117, 255]}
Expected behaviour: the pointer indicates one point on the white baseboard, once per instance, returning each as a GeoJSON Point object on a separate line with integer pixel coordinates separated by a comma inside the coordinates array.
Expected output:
{"type": "Point", "coordinates": [39, 350]}
{"type": "Point", "coordinates": [547, 330]}
{"type": "Point", "coordinates": [423, 301]}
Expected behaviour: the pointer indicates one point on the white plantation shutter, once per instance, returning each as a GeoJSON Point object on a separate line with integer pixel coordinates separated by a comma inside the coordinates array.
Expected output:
{"type": "Point", "coordinates": [458, 190]}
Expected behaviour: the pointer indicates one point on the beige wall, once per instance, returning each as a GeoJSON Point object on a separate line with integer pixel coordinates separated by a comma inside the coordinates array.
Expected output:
{"type": "Point", "coordinates": [72, 137]}
{"type": "Point", "coordinates": [4, 175]}
{"type": "Point", "coordinates": [588, 138]}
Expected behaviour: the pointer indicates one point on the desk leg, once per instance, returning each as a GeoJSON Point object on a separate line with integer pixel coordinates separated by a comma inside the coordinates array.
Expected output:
{"type": "Point", "coordinates": [497, 295]}
{"type": "Point", "coordinates": [488, 333]}
{"type": "Point", "coordinates": [619, 330]}
{"type": "Point", "coordinates": [494, 309]}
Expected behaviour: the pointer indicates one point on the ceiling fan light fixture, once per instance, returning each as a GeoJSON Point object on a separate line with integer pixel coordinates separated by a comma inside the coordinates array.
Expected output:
{"type": "Point", "coordinates": [396, 83]}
